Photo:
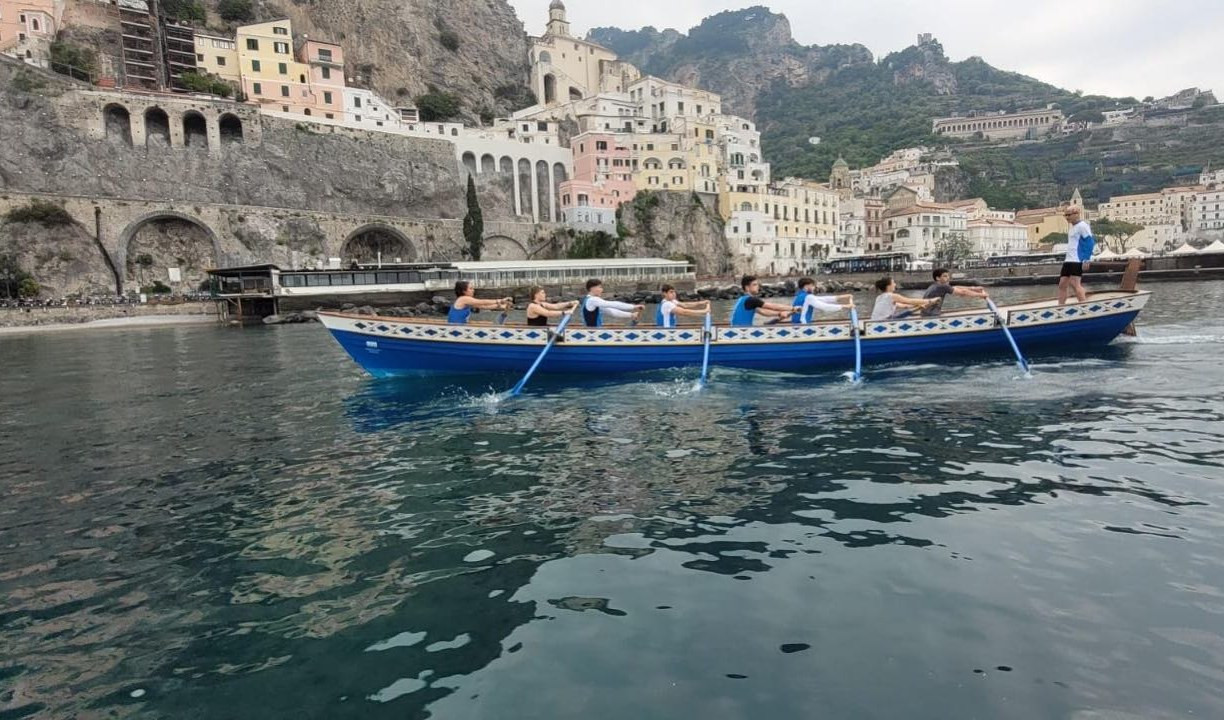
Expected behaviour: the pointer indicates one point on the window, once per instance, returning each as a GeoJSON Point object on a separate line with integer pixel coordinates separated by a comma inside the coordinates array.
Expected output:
{"type": "Point", "coordinates": [282, 68]}
{"type": "Point", "coordinates": [252, 44]}
{"type": "Point", "coordinates": [330, 116]}
{"type": "Point", "coordinates": [255, 66]}
{"type": "Point", "coordinates": [199, 57]}
{"type": "Point", "coordinates": [284, 108]}
{"type": "Point", "coordinates": [326, 73]}
{"type": "Point", "coordinates": [280, 48]}
{"type": "Point", "coordinates": [220, 61]}
{"type": "Point", "coordinates": [284, 91]}
{"type": "Point", "coordinates": [356, 101]}
{"type": "Point", "coordinates": [257, 89]}
{"type": "Point", "coordinates": [280, 31]}
{"type": "Point", "coordinates": [327, 98]}
{"type": "Point", "coordinates": [307, 111]}
{"type": "Point", "coordinates": [325, 55]}
{"type": "Point", "coordinates": [601, 145]}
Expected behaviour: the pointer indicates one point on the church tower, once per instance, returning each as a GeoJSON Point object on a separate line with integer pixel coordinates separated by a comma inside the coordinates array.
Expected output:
{"type": "Point", "coordinates": [839, 179]}
{"type": "Point", "coordinates": [558, 26]}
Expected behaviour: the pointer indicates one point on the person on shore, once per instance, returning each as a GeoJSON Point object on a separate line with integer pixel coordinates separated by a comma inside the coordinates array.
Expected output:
{"type": "Point", "coordinates": [1080, 244]}
{"type": "Point", "coordinates": [594, 306]}
{"type": "Point", "coordinates": [942, 287]}
{"type": "Point", "coordinates": [809, 303]}
{"type": "Point", "coordinates": [539, 310]}
{"type": "Point", "coordinates": [888, 300]}
{"type": "Point", "coordinates": [466, 301]}
{"type": "Point", "coordinates": [670, 308]}
{"type": "Point", "coordinates": [751, 304]}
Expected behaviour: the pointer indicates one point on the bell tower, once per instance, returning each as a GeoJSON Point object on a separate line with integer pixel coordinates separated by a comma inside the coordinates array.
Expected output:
{"type": "Point", "coordinates": [558, 26]}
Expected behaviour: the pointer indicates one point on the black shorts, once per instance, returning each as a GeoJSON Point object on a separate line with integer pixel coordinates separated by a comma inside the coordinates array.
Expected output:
{"type": "Point", "coordinates": [1072, 269]}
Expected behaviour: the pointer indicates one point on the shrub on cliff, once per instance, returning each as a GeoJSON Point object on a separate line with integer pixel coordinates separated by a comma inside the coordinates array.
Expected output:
{"type": "Point", "coordinates": [436, 106]}
{"type": "Point", "coordinates": [449, 40]}
{"type": "Point", "coordinates": [13, 279]}
{"type": "Point", "coordinates": [236, 10]}
{"type": "Point", "coordinates": [42, 212]}
{"type": "Point", "coordinates": [206, 83]}
{"type": "Point", "coordinates": [189, 10]}
{"type": "Point", "coordinates": [74, 61]}
{"type": "Point", "coordinates": [590, 245]}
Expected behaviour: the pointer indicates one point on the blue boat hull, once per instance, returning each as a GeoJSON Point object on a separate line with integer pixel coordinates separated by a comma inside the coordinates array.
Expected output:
{"type": "Point", "coordinates": [384, 356]}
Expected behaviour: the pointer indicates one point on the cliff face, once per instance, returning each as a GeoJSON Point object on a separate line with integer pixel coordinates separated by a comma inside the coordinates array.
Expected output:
{"type": "Point", "coordinates": [736, 54]}
{"type": "Point", "coordinates": [675, 224]}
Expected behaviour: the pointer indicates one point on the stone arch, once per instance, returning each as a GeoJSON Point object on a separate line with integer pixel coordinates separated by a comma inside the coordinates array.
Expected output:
{"type": "Point", "coordinates": [502, 247]}
{"type": "Point", "coordinates": [488, 164]}
{"type": "Point", "coordinates": [231, 129]}
{"type": "Point", "coordinates": [374, 241]}
{"type": "Point", "coordinates": [575, 94]}
{"type": "Point", "coordinates": [157, 128]}
{"type": "Point", "coordinates": [170, 240]}
{"type": "Point", "coordinates": [118, 123]}
{"type": "Point", "coordinates": [469, 162]}
{"type": "Point", "coordinates": [550, 88]}
{"type": "Point", "coordinates": [559, 176]}
{"type": "Point", "coordinates": [506, 165]}
{"type": "Point", "coordinates": [195, 129]}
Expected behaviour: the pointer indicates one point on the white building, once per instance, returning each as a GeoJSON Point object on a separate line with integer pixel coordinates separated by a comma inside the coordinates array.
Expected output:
{"type": "Point", "coordinates": [1208, 213]}
{"type": "Point", "coordinates": [918, 230]}
{"type": "Point", "coordinates": [991, 237]}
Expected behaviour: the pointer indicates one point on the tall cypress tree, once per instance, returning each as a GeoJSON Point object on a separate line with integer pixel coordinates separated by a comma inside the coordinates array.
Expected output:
{"type": "Point", "coordinates": [473, 223]}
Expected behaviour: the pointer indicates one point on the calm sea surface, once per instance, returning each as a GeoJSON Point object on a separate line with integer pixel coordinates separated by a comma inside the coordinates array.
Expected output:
{"type": "Point", "coordinates": [217, 523]}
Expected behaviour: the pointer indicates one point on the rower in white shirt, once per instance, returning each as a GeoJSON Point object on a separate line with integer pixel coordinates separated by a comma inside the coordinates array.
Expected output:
{"type": "Point", "coordinates": [594, 306]}
{"type": "Point", "coordinates": [670, 308]}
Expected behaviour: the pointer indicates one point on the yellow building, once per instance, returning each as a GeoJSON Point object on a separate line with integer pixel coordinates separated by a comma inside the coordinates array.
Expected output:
{"type": "Point", "coordinates": [1041, 222]}
{"type": "Point", "coordinates": [566, 69]}
{"type": "Point", "coordinates": [806, 215]}
{"type": "Point", "coordinates": [270, 74]}
{"type": "Point", "coordinates": [218, 56]}
{"type": "Point", "coordinates": [660, 162]}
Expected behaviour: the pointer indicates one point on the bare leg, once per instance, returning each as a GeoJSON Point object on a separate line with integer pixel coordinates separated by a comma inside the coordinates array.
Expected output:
{"type": "Point", "coordinates": [1077, 284]}
{"type": "Point", "coordinates": [1062, 290]}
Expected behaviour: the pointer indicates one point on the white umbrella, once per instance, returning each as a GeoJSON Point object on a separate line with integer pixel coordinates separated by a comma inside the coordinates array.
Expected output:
{"type": "Point", "coordinates": [1186, 249]}
{"type": "Point", "coordinates": [1215, 247]}
{"type": "Point", "coordinates": [1134, 253]}
{"type": "Point", "coordinates": [1106, 254]}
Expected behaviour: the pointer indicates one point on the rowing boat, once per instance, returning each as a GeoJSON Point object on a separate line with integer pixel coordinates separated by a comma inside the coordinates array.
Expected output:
{"type": "Point", "coordinates": [389, 347]}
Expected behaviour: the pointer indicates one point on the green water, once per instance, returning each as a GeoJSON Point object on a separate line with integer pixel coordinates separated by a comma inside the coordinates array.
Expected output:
{"type": "Point", "coordinates": [217, 523]}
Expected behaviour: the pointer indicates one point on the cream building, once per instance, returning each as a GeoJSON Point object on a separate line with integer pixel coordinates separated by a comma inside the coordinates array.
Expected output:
{"type": "Point", "coordinates": [566, 68]}
{"type": "Point", "coordinates": [991, 237]}
{"type": "Point", "coordinates": [918, 230]}
{"type": "Point", "coordinates": [1208, 213]}
{"type": "Point", "coordinates": [806, 215]}
{"type": "Point", "coordinates": [28, 27]}
{"type": "Point", "coordinates": [1024, 124]}
{"type": "Point", "coordinates": [271, 75]}
{"type": "Point", "coordinates": [217, 55]}
{"type": "Point", "coordinates": [1145, 209]}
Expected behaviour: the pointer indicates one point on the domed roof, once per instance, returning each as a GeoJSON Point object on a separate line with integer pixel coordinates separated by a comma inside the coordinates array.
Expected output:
{"type": "Point", "coordinates": [556, 5]}
{"type": "Point", "coordinates": [841, 162]}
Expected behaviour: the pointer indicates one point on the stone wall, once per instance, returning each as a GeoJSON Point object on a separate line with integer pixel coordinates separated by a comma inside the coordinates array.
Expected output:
{"type": "Point", "coordinates": [36, 317]}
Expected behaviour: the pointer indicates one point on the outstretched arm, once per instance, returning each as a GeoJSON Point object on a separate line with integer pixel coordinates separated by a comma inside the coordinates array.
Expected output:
{"type": "Point", "coordinates": [565, 306]}
{"type": "Point", "coordinates": [480, 304]}
{"type": "Point", "coordinates": [543, 310]}
{"type": "Point", "coordinates": [681, 310]}
{"type": "Point", "coordinates": [900, 299]}
{"type": "Point", "coordinates": [973, 292]}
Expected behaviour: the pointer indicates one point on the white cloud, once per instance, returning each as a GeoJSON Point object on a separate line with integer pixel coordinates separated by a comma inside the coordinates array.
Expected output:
{"type": "Point", "coordinates": [1113, 47]}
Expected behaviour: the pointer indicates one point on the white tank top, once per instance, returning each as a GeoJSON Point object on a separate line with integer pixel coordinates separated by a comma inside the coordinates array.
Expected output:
{"type": "Point", "coordinates": [884, 307]}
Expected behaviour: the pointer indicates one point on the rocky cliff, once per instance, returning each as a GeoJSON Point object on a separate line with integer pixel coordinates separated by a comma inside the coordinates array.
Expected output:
{"type": "Point", "coordinates": [734, 53]}
{"type": "Point", "coordinates": [679, 225]}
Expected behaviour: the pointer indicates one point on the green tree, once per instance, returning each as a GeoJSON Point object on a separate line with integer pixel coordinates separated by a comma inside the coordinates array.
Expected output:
{"type": "Point", "coordinates": [592, 245]}
{"type": "Point", "coordinates": [206, 83]}
{"type": "Point", "coordinates": [437, 106]}
{"type": "Point", "coordinates": [953, 250]}
{"type": "Point", "coordinates": [1054, 238]}
{"type": "Point", "coordinates": [1115, 234]}
{"type": "Point", "coordinates": [189, 10]}
{"type": "Point", "coordinates": [45, 213]}
{"type": "Point", "coordinates": [473, 223]}
{"type": "Point", "coordinates": [77, 62]}
{"type": "Point", "coordinates": [28, 288]}
{"type": "Point", "coordinates": [236, 10]}
{"type": "Point", "coordinates": [12, 276]}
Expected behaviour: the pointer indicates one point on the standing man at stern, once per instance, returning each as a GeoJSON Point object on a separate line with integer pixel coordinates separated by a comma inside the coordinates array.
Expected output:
{"type": "Point", "coordinates": [1080, 244]}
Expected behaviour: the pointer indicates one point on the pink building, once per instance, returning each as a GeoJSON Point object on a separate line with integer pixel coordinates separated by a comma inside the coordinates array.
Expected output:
{"type": "Point", "coordinates": [27, 28]}
{"type": "Point", "coordinates": [603, 179]}
{"type": "Point", "coordinates": [326, 77]}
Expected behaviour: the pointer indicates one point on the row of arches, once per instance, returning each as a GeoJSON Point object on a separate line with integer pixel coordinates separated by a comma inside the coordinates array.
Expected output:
{"type": "Point", "coordinates": [537, 187]}
{"type": "Point", "coordinates": [550, 90]}
{"type": "Point", "coordinates": [156, 128]}
{"type": "Point", "coordinates": [979, 125]}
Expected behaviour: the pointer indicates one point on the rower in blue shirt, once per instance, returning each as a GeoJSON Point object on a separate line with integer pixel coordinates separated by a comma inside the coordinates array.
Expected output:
{"type": "Point", "coordinates": [466, 301]}
{"type": "Point", "coordinates": [750, 305]}
{"type": "Point", "coordinates": [807, 302]}
{"type": "Point", "coordinates": [670, 308]}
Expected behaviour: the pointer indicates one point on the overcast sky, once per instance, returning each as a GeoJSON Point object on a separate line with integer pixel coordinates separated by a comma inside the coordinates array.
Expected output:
{"type": "Point", "coordinates": [1110, 47]}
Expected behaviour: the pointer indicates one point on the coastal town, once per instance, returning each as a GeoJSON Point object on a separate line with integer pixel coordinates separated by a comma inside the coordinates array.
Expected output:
{"type": "Point", "coordinates": [601, 140]}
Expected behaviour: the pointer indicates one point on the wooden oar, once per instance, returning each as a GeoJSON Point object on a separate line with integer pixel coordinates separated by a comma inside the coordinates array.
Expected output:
{"type": "Point", "coordinates": [518, 389]}
{"type": "Point", "coordinates": [1024, 366]}
{"type": "Point", "coordinates": [858, 346]}
{"type": "Point", "coordinates": [705, 357]}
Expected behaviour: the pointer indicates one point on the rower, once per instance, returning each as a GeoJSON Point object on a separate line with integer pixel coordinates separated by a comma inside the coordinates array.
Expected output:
{"type": "Point", "coordinates": [594, 306]}
{"type": "Point", "coordinates": [749, 306]}
{"type": "Point", "coordinates": [670, 308]}
{"type": "Point", "coordinates": [466, 301]}
{"type": "Point", "coordinates": [539, 309]}
{"type": "Point", "coordinates": [808, 302]}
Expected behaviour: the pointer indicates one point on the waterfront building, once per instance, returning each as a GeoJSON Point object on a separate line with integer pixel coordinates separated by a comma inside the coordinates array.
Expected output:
{"type": "Point", "coordinates": [1212, 178]}
{"type": "Point", "coordinates": [325, 64]}
{"type": "Point", "coordinates": [28, 27]}
{"type": "Point", "coordinates": [217, 55]}
{"type": "Point", "coordinates": [1208, 212]}
{"type": "Point", "coordinates": [1144, 209]}
{"type": "Point", "coordinates": [991, 236]}
{"type": "Point", "coordinates": [1026, 124]}
{"type": "Point", "coordinates": [919, 230]}
{"type": "Point", "coordinates": [566, 68]}
{"type": "Point", "coordinates": [806, 216]}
